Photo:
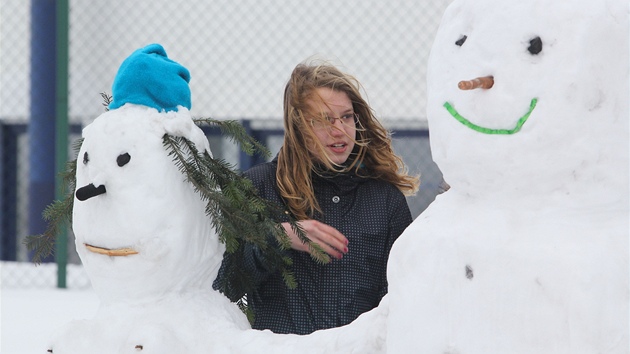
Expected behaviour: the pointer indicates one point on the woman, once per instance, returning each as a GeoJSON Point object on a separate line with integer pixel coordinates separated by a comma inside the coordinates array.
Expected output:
{"type": "Point", "coordinates": [336, 172]}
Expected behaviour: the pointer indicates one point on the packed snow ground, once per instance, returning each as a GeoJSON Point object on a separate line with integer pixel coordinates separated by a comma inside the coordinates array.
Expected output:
{"type": "Point", "coordinates": [32, 308]}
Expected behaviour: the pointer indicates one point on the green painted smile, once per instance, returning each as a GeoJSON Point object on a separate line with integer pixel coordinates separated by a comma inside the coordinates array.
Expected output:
{"type": "Point", "coordinates": [473, 126]}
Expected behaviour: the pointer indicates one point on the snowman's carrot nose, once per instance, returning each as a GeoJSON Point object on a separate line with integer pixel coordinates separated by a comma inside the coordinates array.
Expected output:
{"type": "Point", "coordinates": [480, 82]}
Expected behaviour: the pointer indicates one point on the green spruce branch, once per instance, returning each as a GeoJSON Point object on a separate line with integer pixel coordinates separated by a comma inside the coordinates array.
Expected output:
{"type": "Point", "coordinates": [58, 214]}
{"type": "Point", "coordinates": [237, 134]}
{"type": "Point", "coordinates": [238, 214]}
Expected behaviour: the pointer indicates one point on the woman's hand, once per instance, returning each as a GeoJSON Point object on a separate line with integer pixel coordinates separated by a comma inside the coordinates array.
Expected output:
{"type": "Point", "coordinates": [330, 239]}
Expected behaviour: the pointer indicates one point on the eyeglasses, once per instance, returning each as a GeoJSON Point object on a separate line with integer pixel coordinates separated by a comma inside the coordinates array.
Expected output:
{"type": "Point", "coordinates": [349, 120]}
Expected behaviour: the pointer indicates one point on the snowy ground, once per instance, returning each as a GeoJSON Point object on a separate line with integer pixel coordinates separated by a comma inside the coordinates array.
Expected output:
{"type": "Point", "coordinates": [32, 308]}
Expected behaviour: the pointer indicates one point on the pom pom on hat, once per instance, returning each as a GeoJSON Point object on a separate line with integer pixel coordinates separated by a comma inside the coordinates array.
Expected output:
{"type": "Point", "coordinates": [149, 78]}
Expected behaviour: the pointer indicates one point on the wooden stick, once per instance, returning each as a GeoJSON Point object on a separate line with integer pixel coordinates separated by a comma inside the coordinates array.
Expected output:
{"type": "Point", "coordinates": [480, 82]}
{"type": "Point", "coordinates": [119, 252]}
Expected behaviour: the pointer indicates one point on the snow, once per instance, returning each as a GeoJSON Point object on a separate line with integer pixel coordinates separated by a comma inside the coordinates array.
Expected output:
{"type": "Point", "coordinates": [30, 317]}
{"type": "Point", "coordinates": [527, 252]}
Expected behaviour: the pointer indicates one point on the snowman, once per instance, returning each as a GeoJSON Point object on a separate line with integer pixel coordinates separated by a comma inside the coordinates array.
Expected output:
{"type": "Point", "coordinates": [528, 250]}
{"type": "Point", "coordinates": [141, 231]}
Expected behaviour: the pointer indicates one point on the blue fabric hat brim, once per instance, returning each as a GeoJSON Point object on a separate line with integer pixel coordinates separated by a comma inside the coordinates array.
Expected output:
{"type": "Point", "coordinates": [149, 78]}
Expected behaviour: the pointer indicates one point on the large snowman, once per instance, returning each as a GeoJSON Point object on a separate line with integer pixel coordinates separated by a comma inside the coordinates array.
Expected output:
{"type": "Point", "coordinates": [528, 250]}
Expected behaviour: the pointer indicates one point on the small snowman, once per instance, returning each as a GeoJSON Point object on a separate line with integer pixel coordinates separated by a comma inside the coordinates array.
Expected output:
{"type": "Point", "coordinates": [141, 230]}
{"type": "Point", "coordinates": [528, 250]}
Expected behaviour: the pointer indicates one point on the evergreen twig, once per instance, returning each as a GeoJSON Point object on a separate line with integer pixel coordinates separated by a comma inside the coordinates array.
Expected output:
{"type": "Point", "coordinates": [107, 99]}
{"type": "Point", "coordinates": [235, 132]}
{"type": "Point", "coordinates": [238, 214]}
{"type": "Point", "coordinates": [57, 214]}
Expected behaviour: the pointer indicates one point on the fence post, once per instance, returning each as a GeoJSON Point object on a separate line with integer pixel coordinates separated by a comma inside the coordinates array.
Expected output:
{"type": "Point", "coordinates": [61, 132]}
{"type": "Point", "coordinates": [8, 194]}
{"type": "Point", "coordinates": [41, 128]}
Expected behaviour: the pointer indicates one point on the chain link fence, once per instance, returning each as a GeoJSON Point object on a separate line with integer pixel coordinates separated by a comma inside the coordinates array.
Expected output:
{"type": "Point", "coordinates": [240, 54]}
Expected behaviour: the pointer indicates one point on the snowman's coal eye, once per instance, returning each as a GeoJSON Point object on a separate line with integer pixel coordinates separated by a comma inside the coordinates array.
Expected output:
{"type": "Point", "coordinates": [535, 46]}
{"type": "Point", "coordinates": [85, 158]}
{"type": "Point", "coordinates": [123, 159]}
{"type": "Point", "coordinates": [461, 41]}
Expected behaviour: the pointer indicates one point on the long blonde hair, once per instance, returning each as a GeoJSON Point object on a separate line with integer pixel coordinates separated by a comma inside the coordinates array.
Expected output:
{"type": "Point", "coordinates": [372, 157]}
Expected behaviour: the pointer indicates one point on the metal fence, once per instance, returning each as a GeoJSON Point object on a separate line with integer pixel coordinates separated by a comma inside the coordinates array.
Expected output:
{"type": "Point", "coordinates": [240, 54]}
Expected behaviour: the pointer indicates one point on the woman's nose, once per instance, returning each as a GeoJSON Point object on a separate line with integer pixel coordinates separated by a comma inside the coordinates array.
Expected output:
{"type": "Point", "coordinates": [337, 126]}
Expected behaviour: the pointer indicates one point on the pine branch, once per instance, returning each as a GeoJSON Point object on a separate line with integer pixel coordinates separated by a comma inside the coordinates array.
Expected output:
{"type": "Point", "coordinates": [235, 132]}
{"type": "Point", "coordinates": [289, 278]}
{"type": "Point", "coordinates": [238, 214]}
{"type": "Point", "coordinates": [57, 214]}
{"type": "Point", "coordinates": [242, 304]}
{"type": "Point", "coordinates": [107, 99]}
{"type": "Point", "coordinates": [317, 252]}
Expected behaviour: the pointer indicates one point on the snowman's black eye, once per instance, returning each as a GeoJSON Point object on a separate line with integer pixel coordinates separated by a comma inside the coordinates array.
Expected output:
{"type": "Point", "coordinates": [85, 158]}
{"type": "Point", "coordinates": [461, 41]}
{"type": "Point", "coordinates": [535, 46]}
{"type": "Point", "coordinates": [469, 272]}
{"type": "Point", "coordinates": [123, 159]}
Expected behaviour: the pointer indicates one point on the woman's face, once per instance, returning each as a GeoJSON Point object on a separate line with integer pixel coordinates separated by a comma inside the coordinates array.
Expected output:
{"type": "Point", "coordinates": [337, 133]}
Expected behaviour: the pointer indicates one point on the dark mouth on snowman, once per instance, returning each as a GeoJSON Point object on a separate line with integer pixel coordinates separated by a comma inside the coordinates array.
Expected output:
{"type": "Point", "coordinates": [115, 252]}
{"type": "Point", "coordinates": [473, 126]}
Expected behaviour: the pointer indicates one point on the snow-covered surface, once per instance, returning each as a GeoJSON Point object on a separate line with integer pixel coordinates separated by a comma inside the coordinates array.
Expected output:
{"type": "Point", "coordinates": [30, 316]}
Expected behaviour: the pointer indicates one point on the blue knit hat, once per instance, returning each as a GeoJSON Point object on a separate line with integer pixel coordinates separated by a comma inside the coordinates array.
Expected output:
{"type": "Point", "coordinates": [149, 78]}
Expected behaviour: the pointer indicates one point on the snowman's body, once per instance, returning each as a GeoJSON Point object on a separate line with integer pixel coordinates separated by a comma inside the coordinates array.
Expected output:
{"type": "Point", "coordinates": [494, 281]}
{"type": "Point", "coordinates": [528, 250]}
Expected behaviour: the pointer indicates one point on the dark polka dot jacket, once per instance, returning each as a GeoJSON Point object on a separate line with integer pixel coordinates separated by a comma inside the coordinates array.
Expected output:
{"type": "Point", "coordinates": [371, 214]}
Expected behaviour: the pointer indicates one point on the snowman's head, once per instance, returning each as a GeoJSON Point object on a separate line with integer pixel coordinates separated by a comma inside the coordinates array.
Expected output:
{"type": "Point", "coordinates": [553, 116]}
{"type": "Point", "coordinates": [141, 228]}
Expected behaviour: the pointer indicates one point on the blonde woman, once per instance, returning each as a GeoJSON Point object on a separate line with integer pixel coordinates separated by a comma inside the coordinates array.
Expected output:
{"type": "Point", "coordinates": [336, 172]}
